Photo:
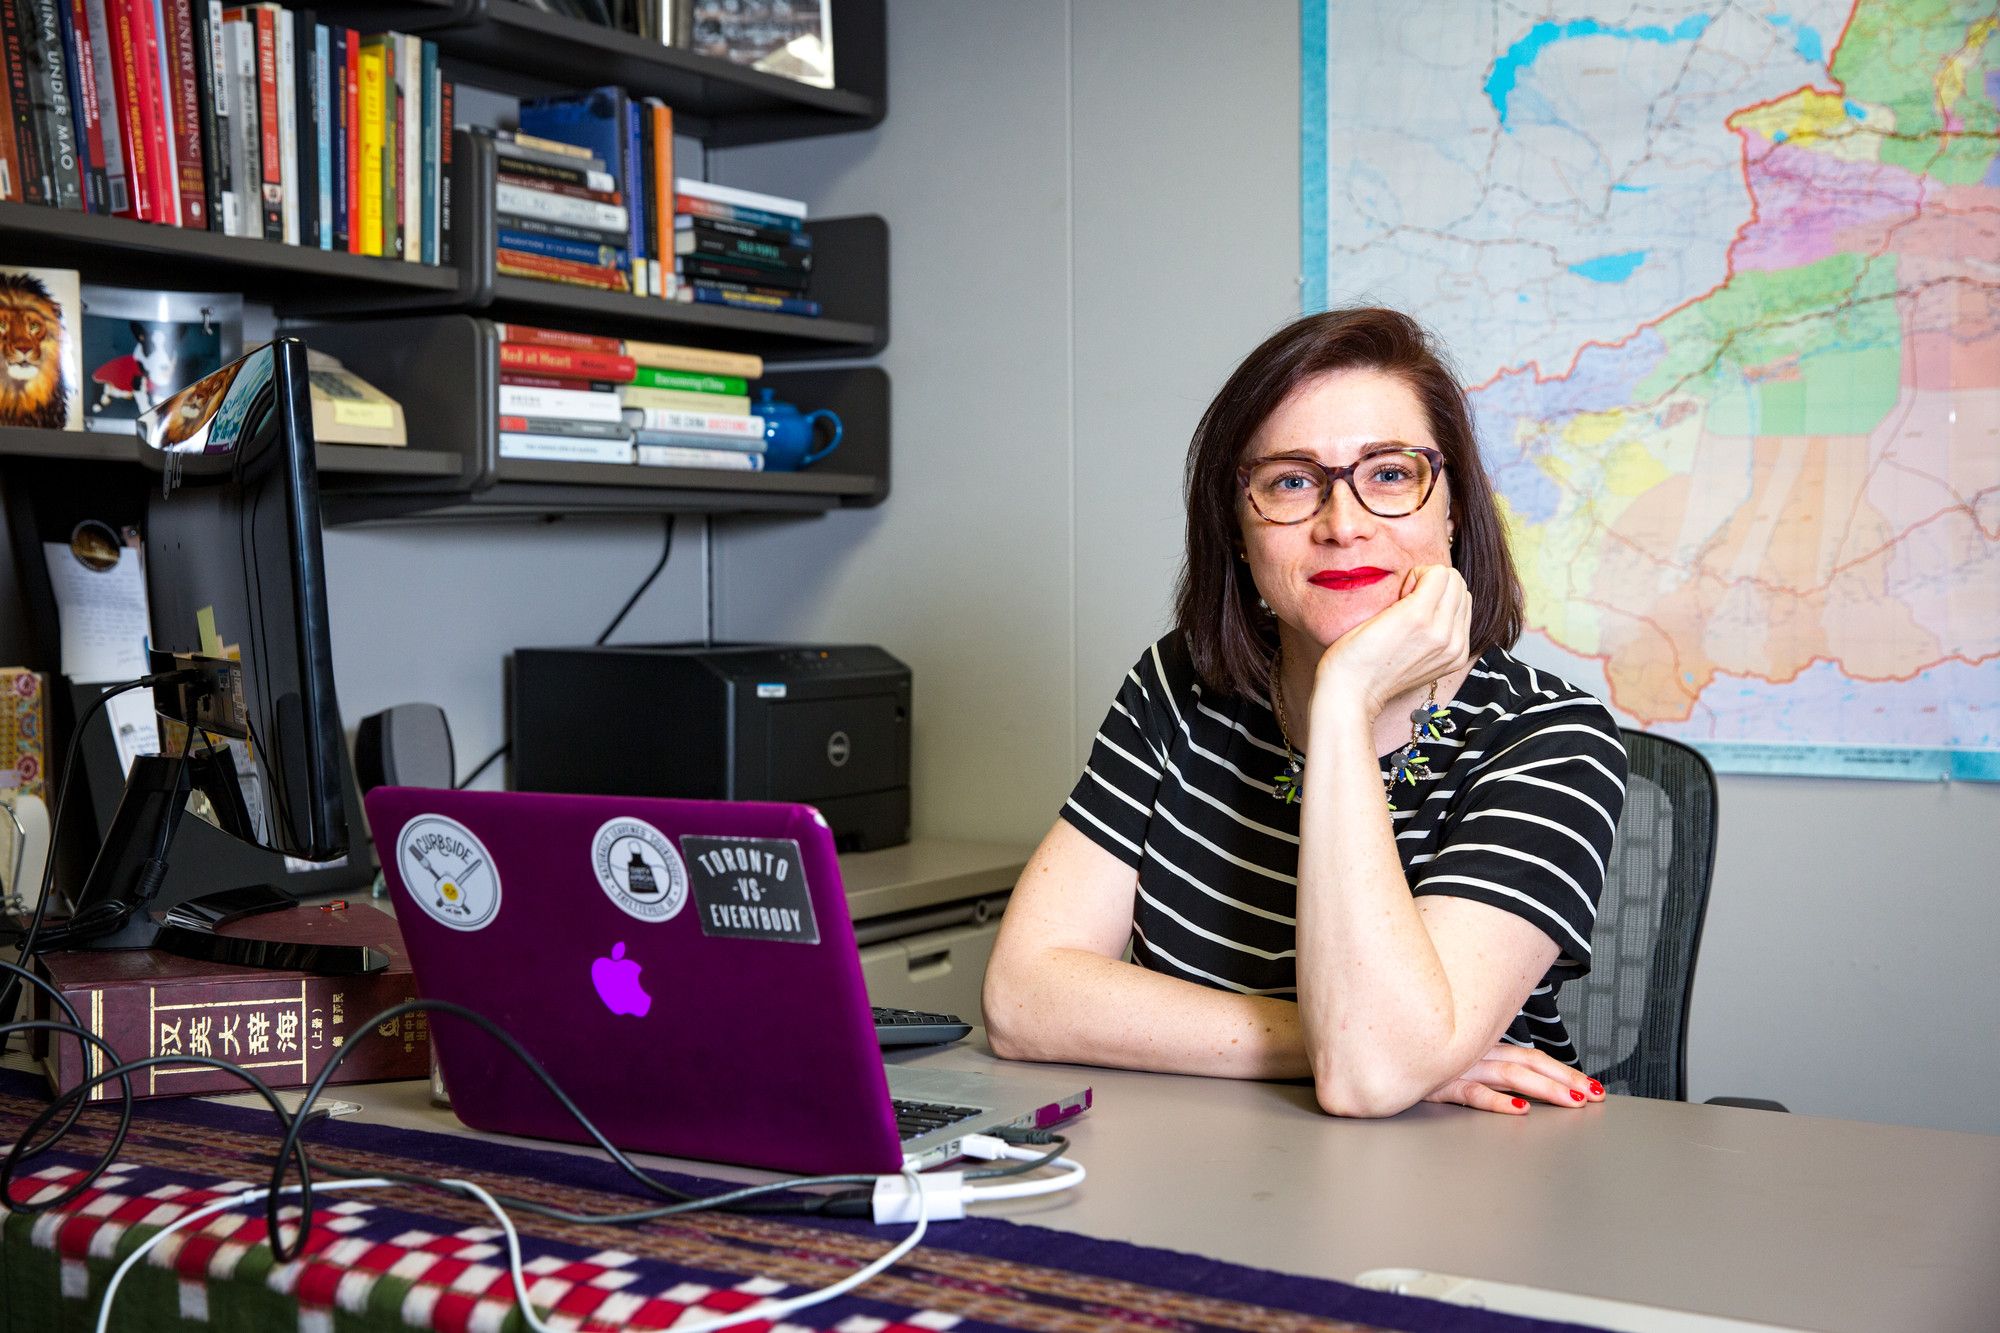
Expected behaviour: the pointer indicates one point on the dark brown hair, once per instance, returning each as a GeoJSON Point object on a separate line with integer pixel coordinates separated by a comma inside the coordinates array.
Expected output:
{"type": "Point", "coordinates": [1215, 603]}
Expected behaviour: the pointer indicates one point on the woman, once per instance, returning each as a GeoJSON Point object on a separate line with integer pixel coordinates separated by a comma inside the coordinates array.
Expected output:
{"type": "Point", "coordinates": [1368, 841]}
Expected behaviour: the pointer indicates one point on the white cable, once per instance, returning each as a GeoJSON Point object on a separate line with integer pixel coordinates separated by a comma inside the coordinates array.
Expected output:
{"type": "Point", "coordinates": [772, 1310]}
{"type": "Point", "coordinates": [202, 1214]}
{"type": "Point", "coordinates": [989, 1148]}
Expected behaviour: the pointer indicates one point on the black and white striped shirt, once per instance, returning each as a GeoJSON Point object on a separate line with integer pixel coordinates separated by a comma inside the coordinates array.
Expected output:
{"type": "Point", "coordinates": [1517, 811]}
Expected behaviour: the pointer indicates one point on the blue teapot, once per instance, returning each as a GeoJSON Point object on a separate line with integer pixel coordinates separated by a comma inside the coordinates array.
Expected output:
{"type": "Point", "coordinates": [789, 434]}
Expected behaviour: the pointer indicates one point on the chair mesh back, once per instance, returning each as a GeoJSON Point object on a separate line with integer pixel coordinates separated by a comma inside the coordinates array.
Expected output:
{"type": "Point", "coordinates": [1628, 1018]}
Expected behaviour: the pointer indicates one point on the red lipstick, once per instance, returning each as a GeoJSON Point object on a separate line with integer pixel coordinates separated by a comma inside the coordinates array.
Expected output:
{"type": "Point", "coordinates": [1344, 580]}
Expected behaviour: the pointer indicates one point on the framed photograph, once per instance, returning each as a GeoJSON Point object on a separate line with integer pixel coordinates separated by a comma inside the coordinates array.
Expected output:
{"type": "Point", "coordinates": [790, 38]}
{"type": "Point", "coordinates": [140, 347]}
{"type": "Point", "coordinates": [42, 312]}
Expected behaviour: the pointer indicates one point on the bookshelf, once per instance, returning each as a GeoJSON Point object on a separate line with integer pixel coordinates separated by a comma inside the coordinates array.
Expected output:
{"type": "Point", "coordinates": [423, 333]}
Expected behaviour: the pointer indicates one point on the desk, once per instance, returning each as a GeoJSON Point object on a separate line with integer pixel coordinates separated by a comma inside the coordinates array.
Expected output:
{"type": "Point", "coordinates": [1785, 1219]}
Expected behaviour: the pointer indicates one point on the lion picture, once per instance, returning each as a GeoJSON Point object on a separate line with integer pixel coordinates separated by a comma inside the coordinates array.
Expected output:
{"type": "Point", "coordinates": [41, 386]}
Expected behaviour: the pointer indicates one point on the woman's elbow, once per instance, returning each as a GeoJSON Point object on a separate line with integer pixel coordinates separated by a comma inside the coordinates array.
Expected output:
{"type": "Point", "coordinates": [1355, 1090]}
{"type": "Point", "coordinates": [1004, 1009]}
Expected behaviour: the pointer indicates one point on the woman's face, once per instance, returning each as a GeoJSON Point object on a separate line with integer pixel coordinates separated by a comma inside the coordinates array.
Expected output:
{"type": "Point", "coordinates": [1326, 575]}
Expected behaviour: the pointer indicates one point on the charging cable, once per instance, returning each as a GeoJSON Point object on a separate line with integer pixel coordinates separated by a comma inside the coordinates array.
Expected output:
{"type": "Point", "coordinates": [945, 1195]}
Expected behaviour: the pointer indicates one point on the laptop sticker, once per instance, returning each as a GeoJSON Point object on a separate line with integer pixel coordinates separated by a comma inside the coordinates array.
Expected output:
{"type": "Point", "coordinates": [639, 870]}
{"type": "Point", "coordinates": [448, 872]}
{"type": "Point", "coordinates": [751, 889]}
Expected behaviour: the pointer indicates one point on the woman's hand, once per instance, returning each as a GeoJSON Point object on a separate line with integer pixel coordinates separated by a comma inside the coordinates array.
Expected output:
{"type": "Point", "coordinates": [1507, 1077]}
{"type": "Point", "coordinates": [1424, 635]}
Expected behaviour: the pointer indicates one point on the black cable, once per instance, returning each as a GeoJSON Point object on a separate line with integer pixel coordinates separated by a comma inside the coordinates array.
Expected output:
{"type": "Point", "coordinates": [666, 551]}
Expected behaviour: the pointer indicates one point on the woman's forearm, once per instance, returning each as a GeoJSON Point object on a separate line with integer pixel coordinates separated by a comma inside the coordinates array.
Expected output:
{"type": "Point", "coordinates": [1376, 1007]}
{"type": "Point", "coordinates": [1075, 1006]}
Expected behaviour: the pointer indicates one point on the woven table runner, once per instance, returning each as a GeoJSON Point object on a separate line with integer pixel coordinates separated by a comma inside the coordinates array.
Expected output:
{"type": "Point", "coordinates": [419, 1259]}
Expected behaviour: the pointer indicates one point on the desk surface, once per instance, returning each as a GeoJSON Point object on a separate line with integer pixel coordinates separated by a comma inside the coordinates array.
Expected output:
{"type": "Point", "coordinates": [1783, 1219]}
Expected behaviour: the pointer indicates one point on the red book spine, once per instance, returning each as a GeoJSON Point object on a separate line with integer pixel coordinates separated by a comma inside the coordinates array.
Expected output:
{"type": "Point", "coordinates": [547, 186]}
{"type": "Point", "coordinates": [93, 106]}
{"type": "Point", "coordinates": [568, 362]}
{"type": "Point", "coordinates": [10, 160]}
{"type": "Point", "coordinates": [185, 96]}
{"type": "Point", "coordinates": [582, 342]}
{"type": "Point", "coordinates": [515, 263]}
{"type": "Point", "coordinates": [127, 94]}
{"type": "Point", "coordinates": [153, 114]}
{"type": "Point", "coordinates": [351, 90]}
{"type": "Point", "coordinates": [272, 192]}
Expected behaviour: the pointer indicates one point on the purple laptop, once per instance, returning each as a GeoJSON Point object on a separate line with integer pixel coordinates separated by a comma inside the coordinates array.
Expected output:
{"type": "Point", "coordinates": [685, 970]}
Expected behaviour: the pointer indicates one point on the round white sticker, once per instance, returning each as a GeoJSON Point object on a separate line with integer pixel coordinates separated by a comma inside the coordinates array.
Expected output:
{"type": "Point", "coordinates": [448, 872]}
{"type": "Point", "coordinates": [639, 869]}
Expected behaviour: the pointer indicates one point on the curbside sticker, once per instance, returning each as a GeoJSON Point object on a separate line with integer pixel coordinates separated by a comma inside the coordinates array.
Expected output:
{"type": "Point", "coordinates": [448, 872]}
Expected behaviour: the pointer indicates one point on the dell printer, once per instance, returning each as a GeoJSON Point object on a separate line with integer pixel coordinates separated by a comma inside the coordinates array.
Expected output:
{"type": "Point", "coordinates": [825, 726]}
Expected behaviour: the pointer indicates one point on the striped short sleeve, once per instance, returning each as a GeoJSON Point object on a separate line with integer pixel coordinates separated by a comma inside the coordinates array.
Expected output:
{"type": "Point", "coordinates": [1531, 826]}
{"type": "Point", "coordinates": [1112, 803]}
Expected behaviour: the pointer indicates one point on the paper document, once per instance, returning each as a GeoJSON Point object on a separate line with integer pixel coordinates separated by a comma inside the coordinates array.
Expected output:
{"type": "Point", "coordinates": [103, 615]}
{"type": "Point", "coordinates": [134, 725]}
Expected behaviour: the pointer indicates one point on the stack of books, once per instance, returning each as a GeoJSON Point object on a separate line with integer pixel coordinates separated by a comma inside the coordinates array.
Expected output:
{"type": "Point", "coordinates": [582, 194]}
{"type": "Point", "coordinates": [741, 248]}
{"type": "Point", "coordinates": [251, 120]}
{"type": "Point", "coordinates": [580, 398]}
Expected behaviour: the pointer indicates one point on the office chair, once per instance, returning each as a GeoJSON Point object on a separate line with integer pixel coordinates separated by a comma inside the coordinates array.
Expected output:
{"type": "Point", "coordinates": [1629, 1017]}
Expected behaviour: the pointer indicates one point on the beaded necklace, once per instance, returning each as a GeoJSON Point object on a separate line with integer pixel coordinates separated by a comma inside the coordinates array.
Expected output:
{"type": "Point", "coordinates": [1429, 720]}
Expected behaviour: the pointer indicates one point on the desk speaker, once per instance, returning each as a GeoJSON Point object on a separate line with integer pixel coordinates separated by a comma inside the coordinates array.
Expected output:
{"type": "Point", "coordinates": [405, 746]}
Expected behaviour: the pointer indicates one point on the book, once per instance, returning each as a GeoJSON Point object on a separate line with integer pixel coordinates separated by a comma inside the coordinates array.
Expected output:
{"type": "Point", "coordinates": [33, 185]}
{"type": "Point", "coordinates": [323, 104]}
{"type": "Point", "coordinates": [409, 160]}
{"type": "Point", "coordinates": [524, 201]}
{"type": "Point", "coordinates": [593, 430]}
{"type": "Point", "coordinates": [212, 98]}
{"type": "Point", "coordinates": [711, 226]}
{"type": "Point", "coordinates": [290, 88]}
{"type": "Point", "coordinates": [567, 189]}
{"type": "Point", "coordinates": [178, 41]}
{"type": "Point", "coordinates": [780, 305]}
{"type": "Point", "coordinates": [688, 206]}
{"type": "Point", "coordinates": [284, 1024]}
{"type": "Point", "coordinates": [557, 382]}
{"type": "Point", "coordinates": [111, 116]}
{"type": "Point", "coordinates": [373, 97]}
{"type": "Point", "coordinates": [44, 317]}
{"type": "Point", "coordinates": [687, 439]}
{"type": "Point", "coordinates": [540, 337]}
{"type": "Point", "coordinates": [642, 269]}
{"type": "Point", "coordinates": [660, 190]}
{"type": "Point", "coordinates": [743, 250]}
{"type": "Point", "coordinates": [538, 168]}
{"type": "Point", "coordinates": [338, 152]}
{"type": "Point", "coordinates": [347, 409]}
{"type": "Point", "coordinates": [574, 363]}
{"type": "Point", "coordinates": [49, 95]}
{"type": "Point", "coordinates": [557, 247]}
{"type": "Point", "coordinates": [734, 425]}
{"type": "Point", "coordinates": [564, 448]}
{"type": "Point", "coordinates": [708, 192]}
{"type": "Point", "coordinates": [696, 268]}
{"type": "Point", "coordinates": [270, 147]}
{"type": "Point", "coordinates": [87, 103]}
{"type": "Point", "coordinates": [427, 165]}
{"type": "Point", "coordinates": [726, 404]}
{"type": "Point", "coordinates": [518, 400]}
{"type": "Point", "coordinates": [10, 162]}
{"type": "Point", "coordinates": [157, 112]}
{"type": "Point", "coordinates": [517, 264]}
{"type": "Point", "coordinates": [447, 94]}
{"type": "Point", "coordinates": [567, 231]}
{"type": "Point", "coordinates": [247, 111]}
{"type": "Point", "coordinates": [747, 364]}
{"type": "Point", "coordinates": [532, 144]}
{"type": "Point", "coordinates": [688, 381]}
{"type": "Point", "coordinates": [351, 155]}
{"type": "Point", "coordinates": [667, 455]}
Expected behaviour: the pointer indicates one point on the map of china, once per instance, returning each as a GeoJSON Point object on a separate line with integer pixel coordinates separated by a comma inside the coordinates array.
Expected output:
{"type": "Point", "coordinates": [1801, 465]}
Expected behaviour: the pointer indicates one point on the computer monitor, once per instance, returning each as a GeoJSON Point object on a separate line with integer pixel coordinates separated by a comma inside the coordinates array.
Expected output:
{"type": "Point", "coordinates": [251, 736]}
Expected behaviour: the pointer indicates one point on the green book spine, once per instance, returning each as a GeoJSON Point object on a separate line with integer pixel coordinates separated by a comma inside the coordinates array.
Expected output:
{"type": "Point", "coordinates": [689, 381]}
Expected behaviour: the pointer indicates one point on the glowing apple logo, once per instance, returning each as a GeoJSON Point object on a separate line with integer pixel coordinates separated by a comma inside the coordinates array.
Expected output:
{"type": "Point", "coordinates": [617, 982]}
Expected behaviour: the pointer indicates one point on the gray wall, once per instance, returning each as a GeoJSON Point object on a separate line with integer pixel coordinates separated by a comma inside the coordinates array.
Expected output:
{"type": "Point", "coordinates": [1094, 214]}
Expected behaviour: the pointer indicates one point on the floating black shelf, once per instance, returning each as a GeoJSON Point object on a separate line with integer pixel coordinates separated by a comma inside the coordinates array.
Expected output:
{"type": "Point", "coordinates": [346, 459]}
{"type": "Point", "coordinates": [121, 250]}
{"type": "Point", "coordinates": [521, 50]}
{"type": "Point", "coordinates": [445, 371]}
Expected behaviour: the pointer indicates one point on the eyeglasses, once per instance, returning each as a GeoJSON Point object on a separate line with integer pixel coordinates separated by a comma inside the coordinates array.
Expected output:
{"type": "Point", "coordinates": [1391, 483]}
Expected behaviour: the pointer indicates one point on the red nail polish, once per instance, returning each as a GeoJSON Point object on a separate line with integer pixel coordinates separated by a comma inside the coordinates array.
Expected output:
{"type": "Point", "coordinates": [1520, 1103]}
{"type": "Point", "coordinates": [1596, 1087]}
{"type": "Point", "coordinates": [1575, 1096]}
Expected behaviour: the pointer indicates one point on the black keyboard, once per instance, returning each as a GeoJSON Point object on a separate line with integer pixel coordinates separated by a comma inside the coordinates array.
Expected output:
{"type": "Point", "coordinates": [915, 1119]}
{"type": "Point", "coordinates": [913, 1027]}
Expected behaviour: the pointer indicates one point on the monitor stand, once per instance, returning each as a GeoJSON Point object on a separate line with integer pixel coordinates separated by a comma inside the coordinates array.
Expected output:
{"type": "Point", "coordinates": [138, 896]}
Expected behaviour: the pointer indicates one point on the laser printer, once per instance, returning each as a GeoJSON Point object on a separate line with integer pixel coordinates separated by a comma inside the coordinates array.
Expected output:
{"type": "Point", "coordinates": [825, 725]}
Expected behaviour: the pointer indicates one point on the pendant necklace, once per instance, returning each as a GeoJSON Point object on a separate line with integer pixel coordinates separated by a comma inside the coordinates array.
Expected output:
{"type": "Point", "coordinates": [1429, 720]}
